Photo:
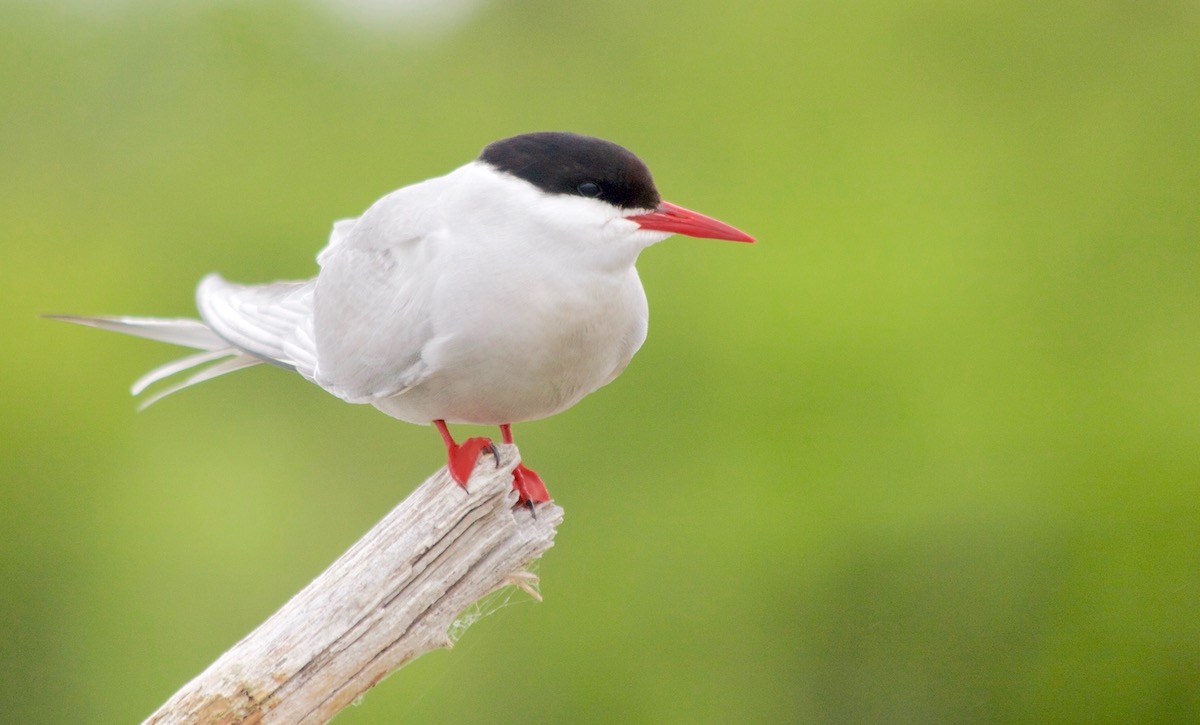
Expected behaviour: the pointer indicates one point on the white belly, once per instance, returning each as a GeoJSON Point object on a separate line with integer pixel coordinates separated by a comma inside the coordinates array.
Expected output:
{"type": "Point", "coordinates": [530, 355]}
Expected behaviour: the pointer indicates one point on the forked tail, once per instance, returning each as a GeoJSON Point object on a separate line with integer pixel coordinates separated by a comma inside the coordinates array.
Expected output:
{"type": "Point", "coordinates": [178, 331]}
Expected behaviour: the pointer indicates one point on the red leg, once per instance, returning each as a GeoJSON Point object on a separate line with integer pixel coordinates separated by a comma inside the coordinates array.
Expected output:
{"type": "Point", "coordinates": [461, 458]}
{"type": "Point", "coordinates": [529, 485]}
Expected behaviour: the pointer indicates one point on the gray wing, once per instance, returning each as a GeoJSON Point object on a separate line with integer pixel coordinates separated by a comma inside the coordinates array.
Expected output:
{"type": "Point", "coordinates": [371, 314]}
{"type": "Point", "coordinates": [272, 322]}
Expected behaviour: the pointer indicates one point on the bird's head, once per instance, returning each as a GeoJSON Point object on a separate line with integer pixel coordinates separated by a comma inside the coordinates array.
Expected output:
{"type": "Point", "coordinates": [582, 183]}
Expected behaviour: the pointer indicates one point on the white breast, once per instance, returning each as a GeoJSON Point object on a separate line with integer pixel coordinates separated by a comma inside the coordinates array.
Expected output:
{"type": "Point", "coordinates": [478, 314]}
{"type": "Point", "coordinates": [529, 353]}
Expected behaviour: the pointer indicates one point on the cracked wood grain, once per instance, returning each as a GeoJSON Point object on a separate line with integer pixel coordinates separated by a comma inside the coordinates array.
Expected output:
{"type": "Point", "coordinates": [389, 599]}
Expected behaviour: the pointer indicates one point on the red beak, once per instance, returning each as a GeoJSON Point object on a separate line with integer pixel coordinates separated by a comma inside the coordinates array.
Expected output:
{"type": "Point", "coordinates": [670, 217]}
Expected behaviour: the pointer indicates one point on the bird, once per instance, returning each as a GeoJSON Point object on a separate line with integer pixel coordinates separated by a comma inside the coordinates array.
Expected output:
{"type": "Point", "coordinates": [502, 292]}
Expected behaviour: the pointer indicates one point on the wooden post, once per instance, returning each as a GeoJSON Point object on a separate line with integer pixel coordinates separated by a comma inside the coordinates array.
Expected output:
{"type": "Point", "coordinates": [389, 599]}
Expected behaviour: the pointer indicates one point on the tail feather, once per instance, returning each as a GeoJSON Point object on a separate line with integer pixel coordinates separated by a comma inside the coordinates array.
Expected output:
{"type": "Point", "coordinates": [163, 372]}
{"type": "Point", "coordinates": [182, 331]}
{"type": "Point", "coordinates": [242, 360]}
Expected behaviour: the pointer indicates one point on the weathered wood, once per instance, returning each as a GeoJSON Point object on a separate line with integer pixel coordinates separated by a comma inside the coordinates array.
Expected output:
{"type": "Point", "coordinates": [390, 598]}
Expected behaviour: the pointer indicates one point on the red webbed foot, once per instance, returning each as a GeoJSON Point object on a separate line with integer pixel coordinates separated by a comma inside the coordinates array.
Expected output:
{"type": "Point", "coordinates": [529, 486]}
{"type": "Point", "coordinates": [461, 457]}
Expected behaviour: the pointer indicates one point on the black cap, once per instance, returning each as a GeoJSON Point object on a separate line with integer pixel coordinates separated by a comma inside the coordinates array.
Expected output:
{"type": "Point", "coordinates": [568, 163]}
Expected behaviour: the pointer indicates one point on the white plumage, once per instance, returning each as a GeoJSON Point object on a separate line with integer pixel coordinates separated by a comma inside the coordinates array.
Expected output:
{"type": "Point", "coordinates": [501, 292]}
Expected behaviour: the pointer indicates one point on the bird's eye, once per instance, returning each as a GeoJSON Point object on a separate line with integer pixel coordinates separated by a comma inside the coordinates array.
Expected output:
{"type": "Point", "coordinates": [589, 189]}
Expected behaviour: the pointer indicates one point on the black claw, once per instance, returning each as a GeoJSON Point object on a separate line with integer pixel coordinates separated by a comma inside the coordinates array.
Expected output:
{"type": "Point", "coordinates": [495, 452]}
{"type": "Point", "coordinates": [532, 508]}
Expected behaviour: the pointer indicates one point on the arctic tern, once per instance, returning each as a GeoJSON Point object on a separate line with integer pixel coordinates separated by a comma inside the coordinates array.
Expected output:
{"type": "Point", "coordinates": [502, 292]}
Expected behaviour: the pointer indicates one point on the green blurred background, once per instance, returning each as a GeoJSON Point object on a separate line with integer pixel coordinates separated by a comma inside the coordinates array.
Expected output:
{"type": "Point", "coordinates": [928, 453]}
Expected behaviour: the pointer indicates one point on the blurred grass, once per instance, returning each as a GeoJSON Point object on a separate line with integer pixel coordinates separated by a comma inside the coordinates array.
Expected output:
{"type": "Point", "coordinates": [927, 453]}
